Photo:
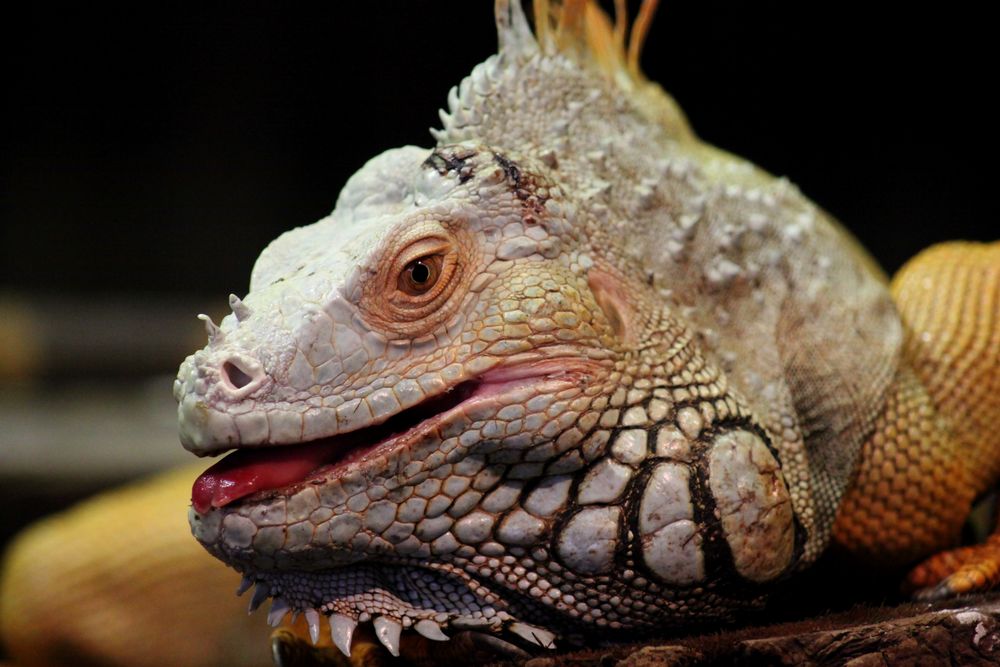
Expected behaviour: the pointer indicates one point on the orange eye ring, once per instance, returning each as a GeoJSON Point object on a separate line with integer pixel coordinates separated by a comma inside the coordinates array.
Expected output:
{"type": "Point", "coordinates": [413, 287]}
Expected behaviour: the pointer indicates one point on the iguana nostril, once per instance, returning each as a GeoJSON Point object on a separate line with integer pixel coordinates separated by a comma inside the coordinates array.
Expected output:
{"type": "Point", "coordinates": [235, 375]}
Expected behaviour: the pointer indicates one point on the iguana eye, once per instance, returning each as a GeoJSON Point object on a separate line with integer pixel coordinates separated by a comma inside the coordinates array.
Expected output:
{"type": "Point", "coordinates": [416, 285]}
{"type": "Point", "coordinates": [420, 275]}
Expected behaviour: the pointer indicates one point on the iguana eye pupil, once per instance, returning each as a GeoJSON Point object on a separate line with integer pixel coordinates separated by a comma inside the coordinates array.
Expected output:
{"type": "Point", "coordinates": [420, 272]}
{"type": "Point", "coordinates": [420, 275]}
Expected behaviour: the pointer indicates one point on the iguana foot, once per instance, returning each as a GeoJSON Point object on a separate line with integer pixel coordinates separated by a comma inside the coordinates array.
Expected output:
{"type": "Point", "coordinates": [969, 569]}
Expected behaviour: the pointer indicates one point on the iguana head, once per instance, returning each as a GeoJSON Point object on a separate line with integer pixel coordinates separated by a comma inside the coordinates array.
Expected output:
{"type": "Point", "coordinates": [442, 405]}
{"type": "Point", "coordinates": [397, 372]}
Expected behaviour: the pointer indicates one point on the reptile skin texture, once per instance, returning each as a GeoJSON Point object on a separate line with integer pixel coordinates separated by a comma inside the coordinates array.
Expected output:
{"type": "Point", "coordinates": [571, 375]}
{"type": "Point", "coordinates": [935, 446]}
{"type": "Point", "coordinates": [78, 590]}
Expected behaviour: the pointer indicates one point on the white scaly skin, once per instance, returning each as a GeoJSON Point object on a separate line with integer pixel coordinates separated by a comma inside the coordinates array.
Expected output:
{"type": "Point", "coordinates": [623, 450]}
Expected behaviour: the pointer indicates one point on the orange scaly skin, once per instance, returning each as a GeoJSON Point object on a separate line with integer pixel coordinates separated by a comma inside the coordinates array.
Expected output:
{"type": "Point", "coordinates": [935, 446]}
{"type": "Point", "coordinates": [78, 590]}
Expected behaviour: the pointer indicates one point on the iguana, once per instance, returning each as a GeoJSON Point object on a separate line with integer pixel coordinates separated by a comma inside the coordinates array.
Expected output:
{"type": "Point", "coordinates": [572, 373]}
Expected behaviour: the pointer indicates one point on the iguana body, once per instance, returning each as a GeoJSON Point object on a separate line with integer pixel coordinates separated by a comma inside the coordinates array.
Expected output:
{"type": "Point", "coordinates": [117, 581]}
{"type": "Point", "coordinates": [573, 373]}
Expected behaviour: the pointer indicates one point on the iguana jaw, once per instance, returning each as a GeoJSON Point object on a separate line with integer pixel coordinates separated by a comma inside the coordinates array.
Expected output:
{"type": "Point", "coordinates": [255, 473]}
{"type": "Point", "coordinates": [396, 592]}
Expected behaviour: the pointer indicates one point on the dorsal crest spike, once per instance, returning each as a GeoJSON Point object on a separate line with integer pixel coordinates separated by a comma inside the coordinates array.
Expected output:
{"type": "Point", "coordinates": [240, 309]}
{"type": "Point", "coordinates": [513, 33]}
{"type": "Point", "coordinates": [582, 30]}
{"type": "Point", "coordinates": [638, 37]}
{"type": "Point", "coordinates": [578, 31]}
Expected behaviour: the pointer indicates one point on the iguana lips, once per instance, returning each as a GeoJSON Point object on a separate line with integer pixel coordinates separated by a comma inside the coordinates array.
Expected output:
{"type": "Point", "coordinates": [254, 469]}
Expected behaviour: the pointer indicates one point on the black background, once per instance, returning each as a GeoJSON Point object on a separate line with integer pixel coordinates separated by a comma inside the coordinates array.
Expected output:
{"type": "Point", "coordinates": [158, 148]}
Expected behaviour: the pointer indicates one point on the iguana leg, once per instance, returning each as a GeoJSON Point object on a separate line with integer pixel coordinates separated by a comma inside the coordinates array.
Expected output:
{"type": "Point", "coordinates": [936, 445]}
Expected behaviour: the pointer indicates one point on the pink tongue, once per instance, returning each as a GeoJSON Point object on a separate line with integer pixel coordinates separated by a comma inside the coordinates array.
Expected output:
{"type": "Point", "coordinates": [247, 471]}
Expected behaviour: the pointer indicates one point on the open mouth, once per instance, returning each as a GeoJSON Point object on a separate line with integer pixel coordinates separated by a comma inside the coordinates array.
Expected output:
{"type": "Point", "coordinates": [251, 470]}
{"type": "Point", "coordinates": [256, 469]}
